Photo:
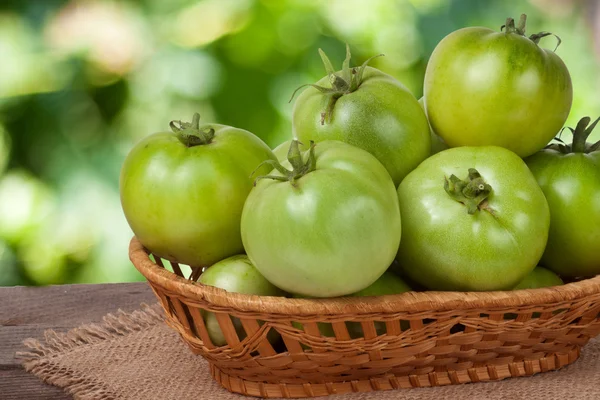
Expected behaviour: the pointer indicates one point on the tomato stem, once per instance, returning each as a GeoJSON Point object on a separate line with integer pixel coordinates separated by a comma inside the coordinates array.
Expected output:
{"type": "Point", "coordinates": [343, 82]}
{"type": "Point", "coordinates": [521, 27]}
{"type": "Point", "coordinates": [300, 167]}
{"type": "Point", "coordinates": [511, 28]}
{"type": "Point", "coordinates": [472, 192]}
{"type": "Point", "coordinates": [190, 134]}
{"type": "Point", "coordinates": [580, 135]}
{"type": "Point", "coordinates": [522, 24]}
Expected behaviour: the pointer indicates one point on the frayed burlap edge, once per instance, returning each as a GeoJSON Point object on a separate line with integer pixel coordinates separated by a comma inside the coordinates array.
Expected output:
{"type": "Point", "coordinates": [41, 359]}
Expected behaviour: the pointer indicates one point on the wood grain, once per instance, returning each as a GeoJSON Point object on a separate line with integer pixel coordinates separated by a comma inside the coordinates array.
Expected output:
{"type": "Point", "coordinates": [28, 311]}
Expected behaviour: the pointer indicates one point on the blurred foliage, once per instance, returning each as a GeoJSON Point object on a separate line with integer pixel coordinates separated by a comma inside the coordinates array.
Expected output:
{"type": "Point", "coordinates": [82, 81]}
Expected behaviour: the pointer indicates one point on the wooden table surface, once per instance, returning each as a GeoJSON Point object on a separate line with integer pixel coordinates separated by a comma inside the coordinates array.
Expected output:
{"type": "Point", "coordinates": [28, 311]}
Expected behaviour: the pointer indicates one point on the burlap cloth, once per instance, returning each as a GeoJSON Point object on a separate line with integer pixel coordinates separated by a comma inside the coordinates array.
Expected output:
{"type": "Point", "coordinates": [136, 356]}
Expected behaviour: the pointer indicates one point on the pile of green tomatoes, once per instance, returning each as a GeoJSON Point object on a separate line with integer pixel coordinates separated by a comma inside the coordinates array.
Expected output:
{"type": "Point", "coordinates": [377, 192]}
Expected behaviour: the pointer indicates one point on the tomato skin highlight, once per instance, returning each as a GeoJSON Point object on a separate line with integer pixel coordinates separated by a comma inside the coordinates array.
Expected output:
{"type": "Point", "coordinates": [571, 184]}
{"type": "Point", "coordinates": [332, 233]}
{"type": "Point", "coordinates": [381, 117]}
{"type": "Point", "coordinates": [184, 203]}
{"type": "Point", "coordinates": [444, 247]}
{"type": "Point", "coordinates": [484, 87]}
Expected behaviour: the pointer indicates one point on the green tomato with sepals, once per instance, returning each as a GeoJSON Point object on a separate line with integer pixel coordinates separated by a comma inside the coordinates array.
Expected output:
{"type": "Point", "coordinates": [324, 223]}
{"type": "Point", "coordinates": [183, 192]}
{"type": "Point", "coordinates": [485, 231]}
{"type": "Point", "coordinates": [489, 88]}
{"type": "Point", "coordinates": [569, 175]}
{"type": "Point", "coordinates": [366, 108]}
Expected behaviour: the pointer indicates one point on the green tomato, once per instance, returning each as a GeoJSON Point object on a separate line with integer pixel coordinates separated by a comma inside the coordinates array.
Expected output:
{"type": "Point", "coordinates": [539, 278]}
{"type": "Point", "coordinates": [388, 283]}
{"type": "Point", "coordinates": [496, 88]}
{"type": "Point", "coordinates": [485, 232]}
{"type": "Point", "coordinates": [329, 227]}
{"type": "Point", "coordinates": [570, 178]}
{"type": "Point", "coordinates": [368, 109]}
{"type": "Point", "coordinates": [183, 192]}
{"type": "Point", "coordinates": [437, 143]}
{"type": "Point", "coordinates": [235, 274]}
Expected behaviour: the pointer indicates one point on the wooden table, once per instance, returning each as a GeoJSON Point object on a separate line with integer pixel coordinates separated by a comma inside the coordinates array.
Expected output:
{"type": "Point", "coordinates": [26, 312]}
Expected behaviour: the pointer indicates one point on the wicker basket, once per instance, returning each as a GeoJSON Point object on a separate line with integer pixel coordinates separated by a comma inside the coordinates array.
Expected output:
{"type": "Point", "coordinates": [430, 338]}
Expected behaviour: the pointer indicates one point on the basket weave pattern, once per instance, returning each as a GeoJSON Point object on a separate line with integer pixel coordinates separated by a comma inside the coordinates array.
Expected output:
{"type": "Point", "coordinates": [430, 338]}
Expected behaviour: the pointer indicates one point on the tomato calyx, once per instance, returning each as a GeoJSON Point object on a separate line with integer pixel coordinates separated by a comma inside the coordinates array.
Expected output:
{"type": "Point", "coordinates": [519, 29]}
{"type": "Point", "coordinates": [300, 166]}
{"type": "Point", "coordinates": [472, 191]}
{"type": "Point", "coordinates": [580, 135]}
{"type": "Point", "coordinates": [346, 81]}
{"type": "Point", "coordinates": [190, 134]}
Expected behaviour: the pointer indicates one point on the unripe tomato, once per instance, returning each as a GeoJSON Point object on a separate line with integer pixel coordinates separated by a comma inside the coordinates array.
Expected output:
{"type": "Point", "coordinates": [538, 278]}
{"type": "Point", "coordinates": [473, 219]}
{"type": "Point", "coordinates": [484, 88]}
{"type": "Point", "coordinates": [366, 108]}
{"type": "Point", "coordinates": [569, 175]}
{"type": "Point", "coordinates": [328, 227]}
{"type": "Point", "coordinates": [183, 192]}
{"type": "Point", "coordinates": [235, 274]}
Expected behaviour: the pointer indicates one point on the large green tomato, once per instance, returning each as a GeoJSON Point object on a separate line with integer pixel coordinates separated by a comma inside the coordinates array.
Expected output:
{"type": "Point", "coordinates": [570, 178]}
{"type": "Point", "coordinates": [483, 232]}
{"type": "Point", "coordinates": [329, 227]}
{"type": "Point", "coordinates": [183, 192]}
{"type": "Point", "coordinates": [496, 88]}
{"type": "Point", "coordinates": [539, 278]}
{"type": "Point", "coordinates": [368, 109]}
{"type": "Point", "coordinates": [235, 274]}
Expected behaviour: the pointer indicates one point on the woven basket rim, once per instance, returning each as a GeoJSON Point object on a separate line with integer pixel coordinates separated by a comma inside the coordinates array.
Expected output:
{"type": "Point", "coordinates": [405, 302]}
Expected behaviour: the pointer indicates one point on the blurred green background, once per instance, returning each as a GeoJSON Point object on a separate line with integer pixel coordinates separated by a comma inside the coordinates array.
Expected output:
{"type": "Point", "coordinates": [82, 81]}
